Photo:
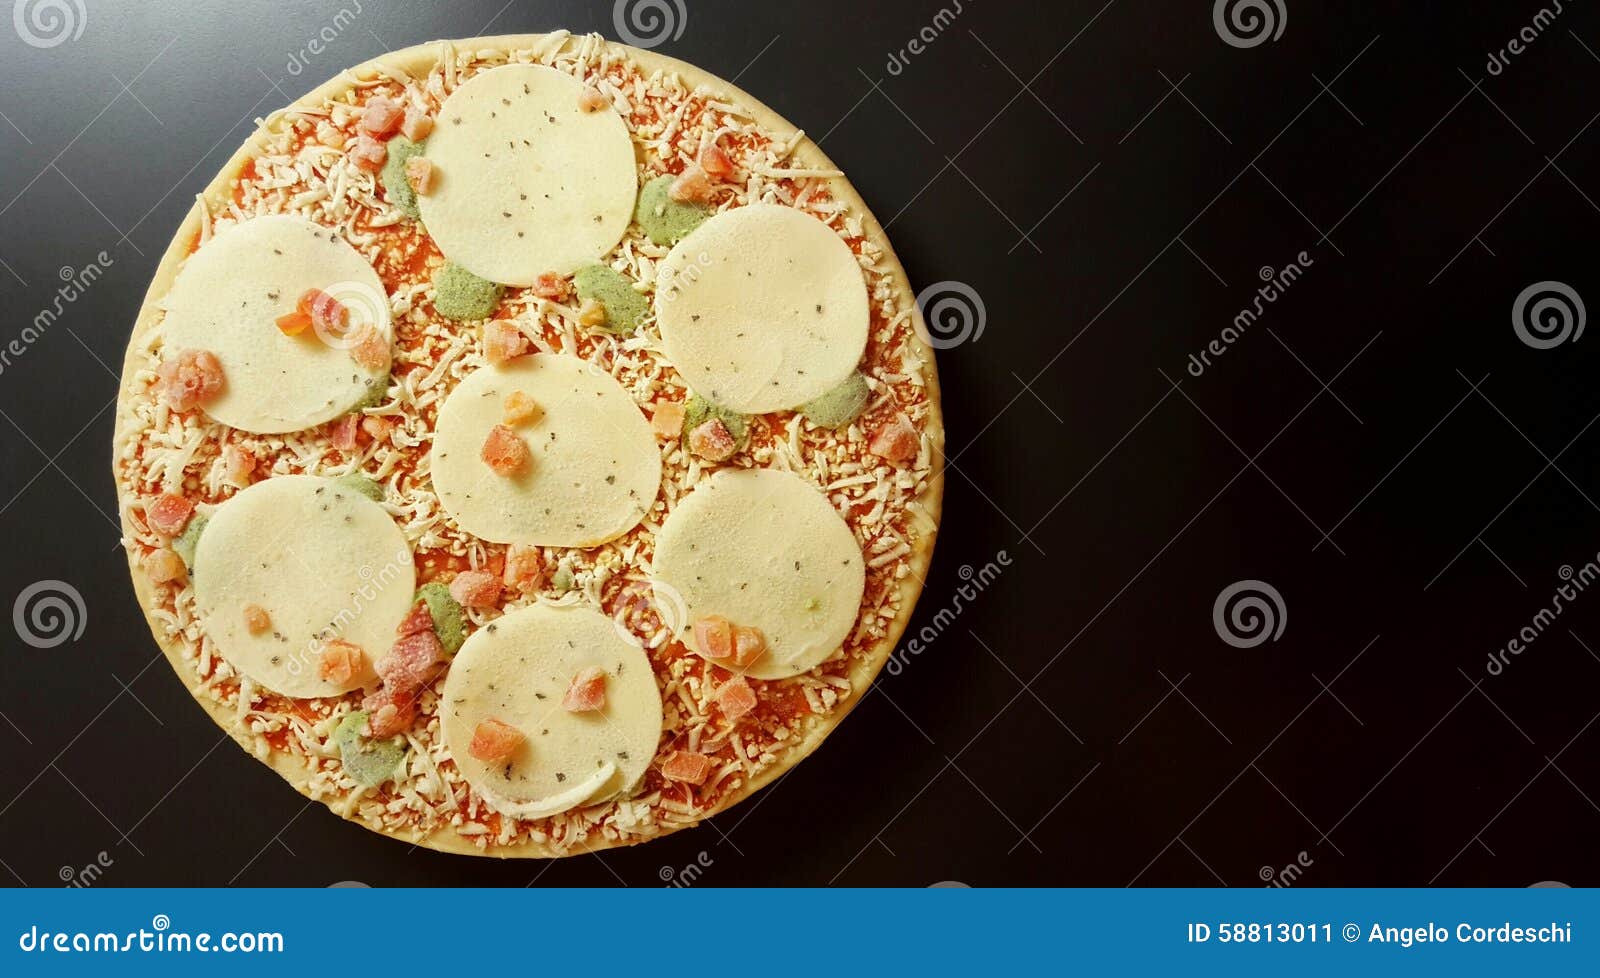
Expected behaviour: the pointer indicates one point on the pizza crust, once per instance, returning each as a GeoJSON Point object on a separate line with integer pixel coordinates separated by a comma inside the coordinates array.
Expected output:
{"type": "Point", "coordinates": [418, 60]}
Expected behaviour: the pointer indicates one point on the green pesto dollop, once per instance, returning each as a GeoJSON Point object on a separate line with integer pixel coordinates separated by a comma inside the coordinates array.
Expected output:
{"type": "Point", "coordinates": [561, 582]}
{"type": "Point", "coordinates": [697, 411]}
{"type": "Point", "coordinates": [189, 539]}
{"type": "Point", "coordinates": [377, 393]}
{"type": "Point", "coordinates": [841, 405]}
{"type": "Point", "coordinates": [449, 621]}
{"type": "Point", "coordinates": [459, 294]}
{"type": "Point", "coordinates": [393, 175]}
{"type": "Point", "coordinates": [369, 762]}
{"type": "Point", "coordinates": [625, 307]}
{"type": "Point", "coordinates": [664, 220]}
{"type": "Point", "coordinates": [356, 482]}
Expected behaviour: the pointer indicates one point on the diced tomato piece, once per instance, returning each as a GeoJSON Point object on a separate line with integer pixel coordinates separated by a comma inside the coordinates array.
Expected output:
{"type": "Point", "coordinates": [716, 162]}
{"type": "Point", "coordinates": [416, 125]}
{"type": "Point", "coordinates": [524, 568]}
{"type": "Point", "coordinates": [691, 185]}
{"type": "Point", "coordinates": [896, 441]}
{"type": "Point", "coordinates": [190, 379]}
{"type": "Point", "coordinates": [591, 99]}
{"type": "Point", "coordinates": [293, 323]}
{"type": "Point", "coordinates": [687, 766]}
{"type": "Point", "coordinates": [476, 589]}
{"type": "Point", "coordinates": [238, 464]}
{"type": "Point", "coordinates": [551, 286]}
{"type": "Point", "coordinates": [328, 314]}
{"type": "Point", "coordinates": [713, 634]}
{"type": "Point", "coordinates": [736, 698]}
{"type": "Point", "coordinates": [419, 620]}
{"type": "Point", "coordinates": [368, 346]}
{"type": "Point", "coordinates": [343, 433]}
{"type": "Point", "coordinates": [748, 645]}
{"type": "Point", "coordinates": [389, 712]}
{"type": "Point", "coordinates": [168, 514]}
{"type": "Point", "coordinates": [519, 409]}
{"type": "Point", "coordinates": [419, 175]}
{"type": "Point", "coordinates": [712, 441]}
{"type": "Point", "coordinates": [587, 692]}
{"type": "Point", "coordinates": [369, 154]}
{"type": "Point", "coordinates": [504, 452]}
{"type": "Point", "coordinates": [666, 420]}
{"type": "Point", "coordinates": [256, 619]}
{"type": "Point", "coordinates": [502, 341]}
{"type": "Point", "coordinates": [164, 566]}
{"type": "Point", "coordinates": [411, 661]}
{"type": "Point", "coordinates": [381, 117]}
{"type": "Point", "coordinates": [377, 426]}
{"type": "Point", "coordinates": [341, 662]}
{"type": "Point", "coordinates": [494, 741]}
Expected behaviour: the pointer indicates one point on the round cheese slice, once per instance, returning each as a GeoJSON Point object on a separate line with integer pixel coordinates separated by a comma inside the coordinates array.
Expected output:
{"type": "Point", "coordinates": [762, 308]}
{"type": "Point", "coordinates": [526, 182]}
{"type": "Point", "coordinates": [517, 671]}
{"type": "Point", "coordinates": [593, 470]}
{"type": "Point", "coordinates": [227, 299]}
{"type": "Point", "coordinates": [324, 562]}
{"type": "Point", "coordinates": [763, 549]}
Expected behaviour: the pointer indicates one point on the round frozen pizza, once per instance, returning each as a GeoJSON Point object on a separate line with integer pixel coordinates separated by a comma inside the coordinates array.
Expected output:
{"type": "Point", "coordinates": [528, 445]}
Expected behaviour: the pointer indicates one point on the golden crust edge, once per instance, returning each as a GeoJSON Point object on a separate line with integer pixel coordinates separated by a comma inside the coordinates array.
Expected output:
{"type": "Point", "coordinates": [418, 60]}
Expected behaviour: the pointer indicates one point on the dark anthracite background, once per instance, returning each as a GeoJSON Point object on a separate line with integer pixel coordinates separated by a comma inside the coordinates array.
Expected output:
{"type": "Point", "coordinates": [1081, 721]}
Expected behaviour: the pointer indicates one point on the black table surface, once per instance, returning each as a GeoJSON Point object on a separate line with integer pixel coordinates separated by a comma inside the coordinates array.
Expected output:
{"type": "Point", "coordinates": [1381, 215]}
